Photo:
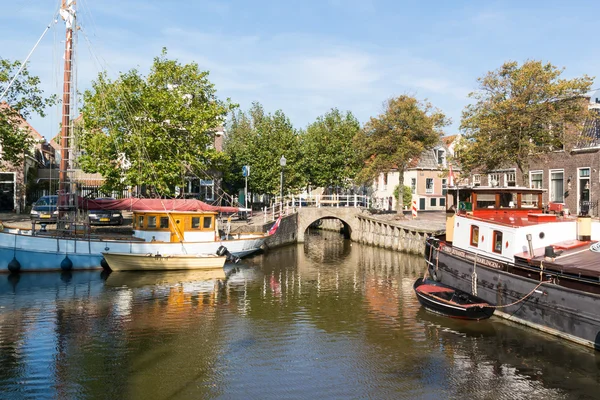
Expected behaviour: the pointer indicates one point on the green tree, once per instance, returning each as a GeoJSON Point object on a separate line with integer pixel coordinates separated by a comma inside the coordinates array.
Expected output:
{"type": "Point", "coordinates": [328, 152]}
{"type": "Point", "coordinates": [259, 140]}
{"type": "Point", "coordinates": [406, 194]}
{"type": "Point", "coordinates": [23, 99]}
{"type": "Point", "coordinates": [521, 111]}
{"type": "Point", "coordinates": [401, 133]}
{"type": "Point", "coordinates": [152, 130]}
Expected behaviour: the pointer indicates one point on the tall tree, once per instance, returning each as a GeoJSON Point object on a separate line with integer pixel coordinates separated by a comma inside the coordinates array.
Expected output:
{"type": "Point", "coordinates": [22, 99]}
{"type": "Point", "coordinates": [401, 133]}
{"type": "Point", "coordinates": [152, 130]}
{"type": "Point", "coordinates": [521, 111]}
{"type": "Point", "coordinates": [259, 139]}
{"type": "Point", "coordinates": [330, 157]}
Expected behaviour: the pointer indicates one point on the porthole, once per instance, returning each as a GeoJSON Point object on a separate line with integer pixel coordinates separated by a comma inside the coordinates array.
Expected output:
{"type": "Point", "coordinates": [542, 235]}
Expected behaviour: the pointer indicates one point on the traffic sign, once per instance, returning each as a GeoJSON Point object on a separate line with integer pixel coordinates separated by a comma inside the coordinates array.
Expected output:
{"type": "Point", "coordinates": [246, 170]}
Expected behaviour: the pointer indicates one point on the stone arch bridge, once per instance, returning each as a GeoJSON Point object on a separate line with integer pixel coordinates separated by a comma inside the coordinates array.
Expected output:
{"type": "Point", "coordinates": [347, 215]}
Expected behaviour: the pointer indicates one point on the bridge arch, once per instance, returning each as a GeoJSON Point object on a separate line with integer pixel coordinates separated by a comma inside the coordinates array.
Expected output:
{"type": "Point", "coordinates": [348, 216]}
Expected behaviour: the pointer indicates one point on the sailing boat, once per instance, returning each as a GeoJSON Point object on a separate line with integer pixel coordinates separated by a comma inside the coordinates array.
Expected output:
{"type": "Point", "coordinates": [161, 227]}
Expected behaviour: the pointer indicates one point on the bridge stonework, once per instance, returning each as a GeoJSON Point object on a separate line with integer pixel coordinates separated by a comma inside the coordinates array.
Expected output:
{"type": "Point", "coordinates": [368, 229]}
{"type": "Point", "coordinates": [348, 216]}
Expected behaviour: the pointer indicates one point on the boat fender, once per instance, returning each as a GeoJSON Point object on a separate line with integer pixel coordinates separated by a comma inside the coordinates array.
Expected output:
{"type": "Point", "coordinates": [222, 250]}
{"type": "Point", "coordinates": [14, 265]}
{"type": "Point", "coordinates": [66, 264]}
{"type": "Point", "coordinates": [104, 264]}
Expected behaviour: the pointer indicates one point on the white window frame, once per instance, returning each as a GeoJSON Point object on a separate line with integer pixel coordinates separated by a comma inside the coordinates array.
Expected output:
{"type": "Point", "coordinates": [511, 177]}
{"type": "Point", "coordinates": [427, 188]}
{"type": "Point", "coordinates": [476, 180]}
{"type": "Point", "coordinates": [492, 176]}
{"type": "Point", "coordinates": [413, 185]}
{"type": "Point", "coordinates": [551, 194]}
{"type": "Point", "coordinates": [541, 180]}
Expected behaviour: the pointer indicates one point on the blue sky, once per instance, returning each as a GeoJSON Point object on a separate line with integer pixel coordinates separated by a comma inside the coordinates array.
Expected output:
{"type": "Point", "coordinates": [305, 57]}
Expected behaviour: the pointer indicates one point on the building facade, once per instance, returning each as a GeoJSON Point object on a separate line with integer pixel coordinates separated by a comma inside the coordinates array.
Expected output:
{"type": "Point", "coordinates": [427, 177]}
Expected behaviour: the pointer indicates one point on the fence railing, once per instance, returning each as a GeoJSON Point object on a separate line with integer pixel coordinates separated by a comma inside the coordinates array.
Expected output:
{"type": "Point", "coordinates": [290, 204]}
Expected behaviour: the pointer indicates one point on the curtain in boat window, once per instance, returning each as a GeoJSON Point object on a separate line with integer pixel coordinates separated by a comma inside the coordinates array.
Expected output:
{"type": "Point", "coordinates": [557, 187]}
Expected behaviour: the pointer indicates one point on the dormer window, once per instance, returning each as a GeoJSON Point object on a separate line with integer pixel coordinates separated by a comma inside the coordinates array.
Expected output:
{"type": "Point", "coordinates": [441, 157]}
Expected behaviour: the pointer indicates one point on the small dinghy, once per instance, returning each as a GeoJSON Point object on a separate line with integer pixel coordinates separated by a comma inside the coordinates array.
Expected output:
{"type": "Point", "coordinates": [451, 302]}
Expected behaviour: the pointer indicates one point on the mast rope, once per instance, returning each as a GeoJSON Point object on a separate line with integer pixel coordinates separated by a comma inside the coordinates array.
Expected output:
{"type": "Point", "coordinates": [54, 20]}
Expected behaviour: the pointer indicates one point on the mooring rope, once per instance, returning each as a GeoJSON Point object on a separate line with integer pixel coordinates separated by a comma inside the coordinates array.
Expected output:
{"type": "Point", "coordinates": [474, 277]}
{"type": "Point", "coordinates": [522, 299]}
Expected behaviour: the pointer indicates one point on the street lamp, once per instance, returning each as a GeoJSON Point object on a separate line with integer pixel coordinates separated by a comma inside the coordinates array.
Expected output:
{"type": "Point", "coordinates": [282, 162]}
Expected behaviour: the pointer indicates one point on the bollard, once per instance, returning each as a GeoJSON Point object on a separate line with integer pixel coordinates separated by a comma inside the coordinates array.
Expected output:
{"type": "Point", "coordinates": [414, 209]}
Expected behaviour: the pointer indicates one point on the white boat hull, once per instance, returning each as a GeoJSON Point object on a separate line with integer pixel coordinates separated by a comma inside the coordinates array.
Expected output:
{"type": "Point", "coordinates": [45, 253]}
{"type": "Point", "coordinates": [158, 262]}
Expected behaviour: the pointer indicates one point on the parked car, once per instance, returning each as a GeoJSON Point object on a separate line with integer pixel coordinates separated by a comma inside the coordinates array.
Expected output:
{"type": "Point", "coordinates": [105, 217]}
{"type": "Point", "coordinates": [45, 210]}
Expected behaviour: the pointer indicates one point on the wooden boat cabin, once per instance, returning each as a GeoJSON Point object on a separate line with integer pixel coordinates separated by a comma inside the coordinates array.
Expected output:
{"type": "Point", "coordinates": [175, 226]}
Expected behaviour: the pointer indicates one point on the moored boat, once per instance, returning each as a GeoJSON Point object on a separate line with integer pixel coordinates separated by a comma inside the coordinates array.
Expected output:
{"type": "Point", "coordinates": [539, 269]}
{"type": "Point", "coordinates": [162, 262]}
{"type": "Point", "coordinates": [451, 302]}
{"type": "Point", "coordinates": [161, 226]}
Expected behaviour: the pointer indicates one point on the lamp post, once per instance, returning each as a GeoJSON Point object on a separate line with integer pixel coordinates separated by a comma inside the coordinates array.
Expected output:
{"type": "Point", "coordinates": [282, 162]}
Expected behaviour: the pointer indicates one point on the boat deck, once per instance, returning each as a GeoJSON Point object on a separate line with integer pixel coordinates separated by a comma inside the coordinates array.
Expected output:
{"type": "Point", "coordinates": [575, 258]}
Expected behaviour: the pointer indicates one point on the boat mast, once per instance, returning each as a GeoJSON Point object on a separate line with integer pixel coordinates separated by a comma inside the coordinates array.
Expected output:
{"type": "Point", "coordinates": [67, 13]}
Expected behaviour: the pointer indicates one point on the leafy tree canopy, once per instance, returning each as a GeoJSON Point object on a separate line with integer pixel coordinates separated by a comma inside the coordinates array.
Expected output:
{"type": "Point", "coordinates": [259, 139]}
{"type": "Point", "coordinates": [330, 157]}
{"type": "Point", "coordinates": [401, 133]}
{"type": "Point", "coordinates": [152, 130]}
{"type": "Point", "coordinates": [22, 99]}
{"type": "Point", "coordinates": [520, 111]}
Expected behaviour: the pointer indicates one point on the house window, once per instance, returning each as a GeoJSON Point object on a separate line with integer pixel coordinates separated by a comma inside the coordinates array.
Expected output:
{"type": "Point", "coordinates": [494, 179]}
{"type": "Point", "coordinates": [385, 180]}
{"type": "Point", "coordinates": [442, 202]}
{"type": "Point", "coordinates": [207, 189]}
{"type": "Point", "coordinates": [413, 185]}
{"type": "Point", "coordinates": [440, 157]}
{"type": "Point", "coordinates": [536, 179]}
{"type": "Point", "coordinates": [497, 242]}
{"type": "Point", "coordinates": [474, 235]}
{"type": "Point", "coordinates": [429, 185]}
{"type": "Point", "coordinates": [433, 202]}
{"type": "Point", "coordinates": [557, 187]}
{"type": "Point", "coordinates": [476, 180]}
{"type": "Point", "coordinates": [584, 172]}
{"type": "Point", "coordinates": [444, 186]}
{"type": "Point", "coordinates": [511, 179]}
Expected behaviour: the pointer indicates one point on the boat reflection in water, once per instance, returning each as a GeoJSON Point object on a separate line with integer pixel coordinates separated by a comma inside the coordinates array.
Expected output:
{"type": "Point", "coordinates": [145, 278]}
{"type": "Point", "coordinates": [341, 316]}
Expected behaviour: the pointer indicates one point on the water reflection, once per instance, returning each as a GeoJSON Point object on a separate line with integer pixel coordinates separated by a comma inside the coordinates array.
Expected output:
{"type": "Point", "coordinates": [326, 319]}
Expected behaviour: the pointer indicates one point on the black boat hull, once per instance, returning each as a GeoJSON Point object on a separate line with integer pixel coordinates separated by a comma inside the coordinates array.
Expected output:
{"type": "Point", "coordinates": [561, 311]}
{"type": "Point", "coordinates": [451, 309]}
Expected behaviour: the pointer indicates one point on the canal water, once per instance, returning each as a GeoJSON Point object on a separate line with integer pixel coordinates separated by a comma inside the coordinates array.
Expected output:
{"type": "Point", "coordinates": [328, 319]}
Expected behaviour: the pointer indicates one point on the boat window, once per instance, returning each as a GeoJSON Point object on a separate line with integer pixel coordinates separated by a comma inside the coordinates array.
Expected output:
{"type": "Point", "coordinates": [164, 222]}
{"type": "Point", "coordinates": [140, 222]}
{"type": "Point", "coordinates": [474, 235]}
{"type": "Point", "coordinates": [207, 222]}
{"type": "Point", "coordinates": [486, 200]}
{"type": "Point", "coordinates": [195, 222]}
{"type": "Point", "coordinates": [508, 200]}
{"type": "Point", "coordinates": [152, 221]}
{"type": "Point", "coordinates": [529, 200]}
{"type": "Point", "coordinates": [497, 242]}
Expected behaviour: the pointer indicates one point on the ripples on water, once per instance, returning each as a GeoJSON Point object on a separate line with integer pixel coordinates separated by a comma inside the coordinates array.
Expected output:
{"type": "Point", "coordinates": [327, 319]}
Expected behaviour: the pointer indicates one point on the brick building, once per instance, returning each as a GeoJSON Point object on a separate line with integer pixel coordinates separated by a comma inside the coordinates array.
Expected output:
{"type": "Point", "coordinates": [571, 177]}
